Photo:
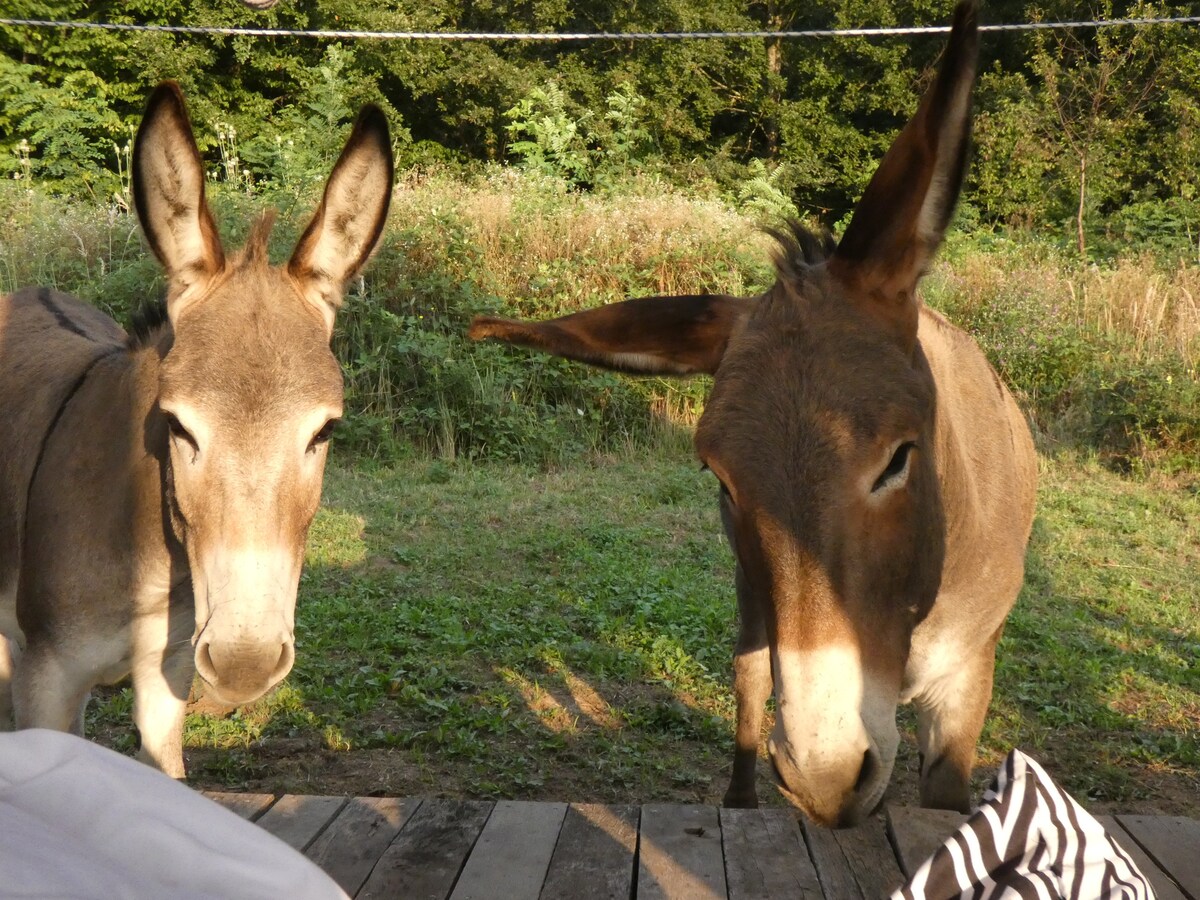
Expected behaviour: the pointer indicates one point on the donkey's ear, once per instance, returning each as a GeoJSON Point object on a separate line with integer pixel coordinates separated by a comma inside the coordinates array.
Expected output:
{"type": "Point", "coordinates": [168, 191]}
{"type": "Point", "coordinates": [350, 219]}
{"type": "Point", "coordinates": [899, 222]}
{"type": "Point", "coordinates": [647, 336]}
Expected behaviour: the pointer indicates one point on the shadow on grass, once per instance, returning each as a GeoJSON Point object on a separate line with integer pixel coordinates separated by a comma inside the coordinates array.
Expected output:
{"type": "Point", "coordinates": [576, 646]}
{"type": "Point", "coordinates": [569, 649]}
{"type": "Point", "coordinates": [1100, 692]}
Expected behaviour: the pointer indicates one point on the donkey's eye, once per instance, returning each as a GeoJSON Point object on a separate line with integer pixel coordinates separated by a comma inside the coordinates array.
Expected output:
{"type": "Point", "coordinates": [179, 433]}
{"type": "Point", "coordinates": [896, 468]}
{"type": "Point", "coordinates": [323, 436]}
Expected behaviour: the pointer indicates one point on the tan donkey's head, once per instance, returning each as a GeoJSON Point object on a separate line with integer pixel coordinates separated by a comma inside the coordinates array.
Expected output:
{"type": "Point", "coordinates": [249, 390]}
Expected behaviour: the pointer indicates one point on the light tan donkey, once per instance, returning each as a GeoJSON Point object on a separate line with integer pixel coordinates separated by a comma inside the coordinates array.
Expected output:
{"type": "Point", "coordinates": [156, 489]}
{"type": "Point", "coordinates": [877, 478]}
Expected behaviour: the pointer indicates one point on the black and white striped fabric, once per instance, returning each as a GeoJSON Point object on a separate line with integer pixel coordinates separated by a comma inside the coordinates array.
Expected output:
{"type": "Point", "coordinates": [1028, 839]}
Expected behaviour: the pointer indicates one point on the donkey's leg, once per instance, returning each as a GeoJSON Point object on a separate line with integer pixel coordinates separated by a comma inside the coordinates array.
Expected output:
{"type": "Point", "coordinates": [50, 688]}
{"type": "Point", "coordinates": [949, 720]}
{"type": "Point", "coordinates": [160, 689]}
{"type": "Point", "coordinates": [9, 654]}
{"type": "Point", "coordinates": [10, 649]}
{"type": "Point", "coordinates": [752, 684]}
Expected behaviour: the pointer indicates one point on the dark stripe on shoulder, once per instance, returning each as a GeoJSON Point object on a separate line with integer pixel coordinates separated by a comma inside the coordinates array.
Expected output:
{"type": "Point", "coordinates": [62, 408]}
{"type": "Point", "coordinates": [63, 320]}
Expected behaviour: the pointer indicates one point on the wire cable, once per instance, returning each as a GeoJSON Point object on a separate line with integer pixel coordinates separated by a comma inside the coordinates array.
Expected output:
{"type": "Point", "coordinates": [581, 36]}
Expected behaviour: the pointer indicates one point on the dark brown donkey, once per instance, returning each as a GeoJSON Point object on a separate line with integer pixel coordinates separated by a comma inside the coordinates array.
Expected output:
{"type": "Point", "coordinates": [156, 489]}
{"type": "Point", "coordinates": [877, 479]}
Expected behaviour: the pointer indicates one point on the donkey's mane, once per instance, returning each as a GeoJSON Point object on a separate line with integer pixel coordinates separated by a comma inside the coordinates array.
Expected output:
{"type": "Point", "coordinates": [147, 321]}
{"type": "Point", "coordinates": [798, 249]}
{"type": "Point", "coordinates": [255, 250]}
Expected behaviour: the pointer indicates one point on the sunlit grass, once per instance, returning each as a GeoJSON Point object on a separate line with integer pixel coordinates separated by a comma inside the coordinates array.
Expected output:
{"type": "Point", "coordinates": [495, 630]}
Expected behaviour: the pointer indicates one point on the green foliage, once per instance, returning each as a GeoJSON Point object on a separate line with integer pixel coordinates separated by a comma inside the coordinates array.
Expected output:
{"type": "Point", "coordinates": [1012, 176]}
{"type": "Point", "coordinates": [67, 130]}
{"type": "Point", "coordinates": [1170, 228]}
{"type": "Point", "coordinates": [298, 150]}
{"type": "Point", "coordinates": [761, 195]}
{"type": "Point", "coordinates": [550, 142]}
{"type": "Point", "coordinates": [1146, 416]}
{"type": "Point", "coordinates": [546, 139]}
{"type": "Point", "coordinates": [1035, 345]}
{"type": "Point", "coordinates": [1111, 116]}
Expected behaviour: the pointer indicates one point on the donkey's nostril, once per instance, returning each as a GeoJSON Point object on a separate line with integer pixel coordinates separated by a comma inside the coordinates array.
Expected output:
{"type": "Point", "coordinates": [287, 656]}
{"type": "Point", "coordinates": [866, 773]}
{"type": "Point", "coordinates": [204, 664]}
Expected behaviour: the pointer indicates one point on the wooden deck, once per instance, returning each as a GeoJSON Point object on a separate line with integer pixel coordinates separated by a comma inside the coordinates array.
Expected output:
{"type": "Point", "coordinates": [384, 847]}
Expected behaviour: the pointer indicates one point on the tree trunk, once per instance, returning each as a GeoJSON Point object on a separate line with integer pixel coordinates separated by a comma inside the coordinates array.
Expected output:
{"type": "Point", "coordinates": [774, 68]}
{"type": "Point", "coordinates": [1079, 215]}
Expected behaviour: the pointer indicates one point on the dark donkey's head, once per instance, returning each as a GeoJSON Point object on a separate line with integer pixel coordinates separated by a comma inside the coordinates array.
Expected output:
{"type": "Point", "coordinates": [248, 389]}
{"type": "Point", "coordinates": [820, 428]}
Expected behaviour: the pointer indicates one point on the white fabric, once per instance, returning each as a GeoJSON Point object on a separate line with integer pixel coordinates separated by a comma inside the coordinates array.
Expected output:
{"type": "Point", "coordinates": [80, 821]}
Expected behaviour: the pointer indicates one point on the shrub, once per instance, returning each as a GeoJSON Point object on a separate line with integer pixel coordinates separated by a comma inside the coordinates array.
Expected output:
{"type": "Point", "coordinates": [1146, 415]}
{"type": "Point", "coordinates": [1103, 357]}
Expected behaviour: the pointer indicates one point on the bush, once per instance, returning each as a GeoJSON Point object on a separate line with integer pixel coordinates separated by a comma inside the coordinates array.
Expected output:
{"type": "Point", "coordinates": [1103, 357]}
{"type": "Point", "coordinates": [1146, 415]}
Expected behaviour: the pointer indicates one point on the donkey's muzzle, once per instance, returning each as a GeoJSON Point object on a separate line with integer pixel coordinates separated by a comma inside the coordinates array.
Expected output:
{"type": "Point", "coordinates": [839, 794]}
{"type": "Point", "coordinates": [237, 673]}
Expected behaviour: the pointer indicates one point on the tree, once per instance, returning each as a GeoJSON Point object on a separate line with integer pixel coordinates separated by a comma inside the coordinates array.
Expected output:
{"type": "Point", "coordinates": [1097, 90]}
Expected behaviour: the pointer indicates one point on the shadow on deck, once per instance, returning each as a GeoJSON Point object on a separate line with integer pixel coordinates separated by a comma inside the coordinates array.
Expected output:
{"type": "Point", "coordinates": [385, 847]}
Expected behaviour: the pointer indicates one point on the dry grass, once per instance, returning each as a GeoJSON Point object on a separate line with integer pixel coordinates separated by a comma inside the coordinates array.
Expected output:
{"type": "Point", "coordinates": [1134, 302]}
{"type": "Point", "coordinates": [1157, 311]}
{"type": "Point", "coordinates": [1106, 356]}
{"type": "Point", "coordinates": [544, 250]}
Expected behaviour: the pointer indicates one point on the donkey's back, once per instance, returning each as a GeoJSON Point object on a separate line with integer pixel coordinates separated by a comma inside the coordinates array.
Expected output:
{"type": "Point", "coordinates": [48, 343]}
{"type": "Point", "coordinates": [987, 460]}
{"type": "Point", "coordinates": [987, 471]}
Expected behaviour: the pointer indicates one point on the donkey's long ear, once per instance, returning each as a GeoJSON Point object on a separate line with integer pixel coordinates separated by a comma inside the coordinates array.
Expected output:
{"type": "Point", "coordinates": [168, 191]}
{"type": "Point", "coordinates": [899, 222]}
{"type": "Point", "coordinates": [350, 219]}
{"type": "Point", "coordinates": [647, 336]}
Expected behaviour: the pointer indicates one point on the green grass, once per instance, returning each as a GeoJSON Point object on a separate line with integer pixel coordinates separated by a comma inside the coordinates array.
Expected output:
{"type": "Point", "coordinates": [1099, 668]}
{"type": "Point", "coordinates": [495, 630]}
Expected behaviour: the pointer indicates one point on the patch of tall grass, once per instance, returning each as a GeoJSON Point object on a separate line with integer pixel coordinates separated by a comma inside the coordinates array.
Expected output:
{"type": "Point", "coordinates": [1104, 357]}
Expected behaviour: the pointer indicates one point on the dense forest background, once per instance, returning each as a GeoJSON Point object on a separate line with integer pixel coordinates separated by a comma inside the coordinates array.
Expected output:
{"type": "Point", "coordinates": [538, 178]}
{"type": "Point", "coordinates": [1091, 134]}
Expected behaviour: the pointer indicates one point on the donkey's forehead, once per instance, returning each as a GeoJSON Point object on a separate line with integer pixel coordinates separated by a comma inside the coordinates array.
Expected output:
{"type": "Point", "coordinates": [252, 335]}
{"type": "Point", "coordinates": [807, 380]}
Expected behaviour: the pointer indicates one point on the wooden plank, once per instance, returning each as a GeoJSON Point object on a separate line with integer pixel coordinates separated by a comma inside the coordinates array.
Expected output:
{"type": "Point", "coordinates": [765, 856]}
{"type": "Point", "coordinates": [1174, 843]}
{"type": "Point", "coordinates": [833, 869]}
{"type": "Point", "coordinates": [916, 833]}
{"type": "Point", "coordinates": [297, 820]}
{"type": "Point", "coordinates": [248, 806]}
{"type": "Point", "coordinates": [1164, 887]}
{"type": "Point", "coordinates": [871, 857]}
{"type": "Point", "coordinates": [512, 854]}
{"type": "Point", "coordinates": [425, 858]}
{"type": "Point", "coordinates": [679, 853]}
{"type": "Point", "coordinates": [594, 855]}
{"type": "Point", "coordinates": [349, 848]}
